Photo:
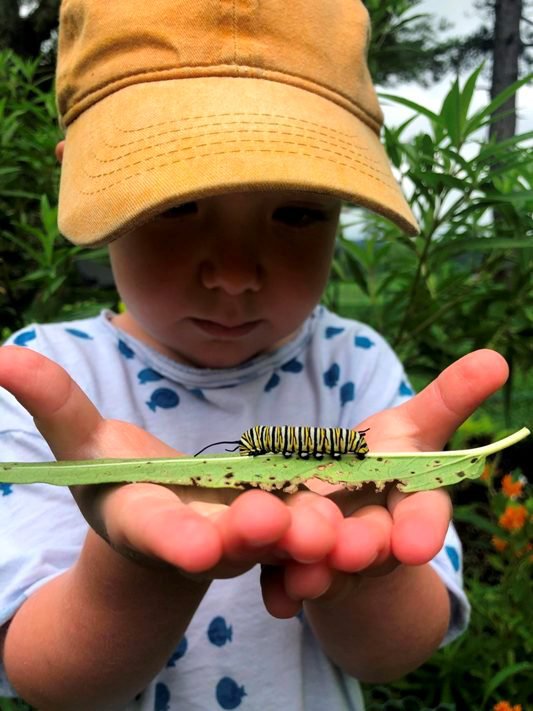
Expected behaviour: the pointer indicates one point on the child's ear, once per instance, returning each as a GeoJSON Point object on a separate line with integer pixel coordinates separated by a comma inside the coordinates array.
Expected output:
{"type": "Point", "coordinates": [59, 151]}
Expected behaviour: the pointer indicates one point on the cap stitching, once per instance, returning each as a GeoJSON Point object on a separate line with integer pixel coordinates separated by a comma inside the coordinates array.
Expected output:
{"type": "Point", "coordinates": [387, 186]}
{"type": "Point", "coordinates": [229, 113]}
{"type": "Point", "coordinates": [270, 129]}
{"type": "Point", "coordinates": [257, 127]}
{"type": "Point", "coordinates": [320, 146]}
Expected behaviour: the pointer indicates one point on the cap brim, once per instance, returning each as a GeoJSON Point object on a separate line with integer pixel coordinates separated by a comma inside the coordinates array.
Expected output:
{"type": "Point", "coordinates": [154, 144]}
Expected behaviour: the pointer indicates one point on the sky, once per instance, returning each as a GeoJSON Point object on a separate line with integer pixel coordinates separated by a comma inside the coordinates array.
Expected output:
{"type": "Point", "coordinates": [465, 18]}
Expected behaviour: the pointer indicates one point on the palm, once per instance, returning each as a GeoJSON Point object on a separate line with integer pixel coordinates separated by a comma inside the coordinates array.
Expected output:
{"type": "Point", "coordinates": [221, 533]}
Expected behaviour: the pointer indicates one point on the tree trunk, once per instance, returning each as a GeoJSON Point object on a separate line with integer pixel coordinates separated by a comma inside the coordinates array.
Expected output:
{"type": "Point", "coordinates": [507, 49]}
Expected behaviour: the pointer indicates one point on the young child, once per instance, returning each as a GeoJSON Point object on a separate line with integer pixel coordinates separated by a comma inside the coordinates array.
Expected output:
{"type": "Point", "coordinates": [211, 144]}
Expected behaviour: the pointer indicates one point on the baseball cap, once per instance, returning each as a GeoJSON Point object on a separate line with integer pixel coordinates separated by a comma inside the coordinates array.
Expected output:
{"type": "Point", "coordinates": [169, 101]}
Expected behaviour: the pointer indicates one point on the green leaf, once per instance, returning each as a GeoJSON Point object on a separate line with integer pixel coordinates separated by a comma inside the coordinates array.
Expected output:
{"type": "Point", "coordinates": [504, 674]}
{"type": "Point", "coordinates": [451, 114]}
{"type": "Point", "coordinates": [466, 514]}
{"type": "Point", "coordinates": [433, 117]}
{"type": "Point", "coordinates": [468, 93]}
{"type": "Point", "coordinates": [478, 119]}
{"type": "Point", "coordinates": [414, 471]}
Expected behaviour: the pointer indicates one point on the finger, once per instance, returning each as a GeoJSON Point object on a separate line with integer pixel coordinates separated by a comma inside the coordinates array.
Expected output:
{"type": "Point", "coordinates": [362, 540]}
{"type": "Point", "coordinates": [431, 417]}
{"type": "Point", "coordinates": [252, 525]}
{"type": "Point", "coordinates": [307, 582]}
{"type": "Point", "coordinates": [420, 522]}
{"type": "Point", "coordinates": [312, 533]}
{"type": "Point", "coordinates": [67, 419]}
{"type": "Point", "coordinates": [152, 520]}
{"type": "Point", "coordinates": [59, 151]}
{"type": "Point", "coordinates": [276, 600]}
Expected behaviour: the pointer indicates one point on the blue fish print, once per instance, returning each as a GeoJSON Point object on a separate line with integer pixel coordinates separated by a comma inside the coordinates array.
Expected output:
{"type": "Point", "coordinates": [79, 334]}
{"type": "Point", "coordinates": [6, 489]}
{"type": "Point", "coordinates": [272, 383]}
{"type": "Point", "coordinates": [453, 555]}
{"type": "Point", "coordinates": [363, 342]}
{"type": "Point", "coordinates": [405, 389]}
{"type": "Point", "coordinates": [332, 375]}
{"type": "Point", "coordinates": [218, 632]}
{"type": "Point", "coordinates": [332, 331]}
{"type": "Point", "coordinates": [162, 698]}
{"type": "Point", "coordinates": [179, 653]}
{"type": "Point", "coordinates": [229, 694]}
{"type": "Point", "coordinates": [147, 375]}
{"type": "Point", "coordinates": [292, 366]}
{"type": "Point", "coordinates": [24, 338]}
{"type": "Point", "coordinates": [164, 398]}
{"type": "Point", "coordinates": [347, 393]}
{"type": "Point", "coordinates": [125, 350]}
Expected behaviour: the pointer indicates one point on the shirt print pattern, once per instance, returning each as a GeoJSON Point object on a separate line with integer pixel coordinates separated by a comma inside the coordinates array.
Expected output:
{"type": "Point", "coordinates": [336, 373]}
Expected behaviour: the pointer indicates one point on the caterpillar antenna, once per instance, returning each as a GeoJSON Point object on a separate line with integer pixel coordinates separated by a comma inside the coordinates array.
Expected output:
{"type": "Point", "coordinates": [214, 444]}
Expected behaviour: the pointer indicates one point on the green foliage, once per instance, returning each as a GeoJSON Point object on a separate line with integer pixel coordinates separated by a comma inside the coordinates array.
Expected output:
{"type": "Point", "coordinates": [465, 281]}
{"type": "Point", "coordinates": [38, 279]}
{"type": "Point", "coordinates": [405, 44]}
{"type": "Point", "coordinates": [492, 660]}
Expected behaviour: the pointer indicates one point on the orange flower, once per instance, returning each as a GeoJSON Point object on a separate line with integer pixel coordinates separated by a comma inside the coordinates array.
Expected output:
{"type": "Point", "coordinates": [499, 543]}
{"type": "Point", "coordinates": [511, 488]}
{"type": "Point", "coordinates": [506, 706]}
{"type": "Point", "coordinates": [513, 518]}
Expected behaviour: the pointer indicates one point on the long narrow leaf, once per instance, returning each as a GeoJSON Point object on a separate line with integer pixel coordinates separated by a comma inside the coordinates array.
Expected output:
{"type": "Point", "coordinates": [503, 675]}
{"type": "Point", "coordinates": [434, 118]}
{"type": "Point", "coordinates": [477, 120]}
{"type": "Point", "coordinates": [414, 471]}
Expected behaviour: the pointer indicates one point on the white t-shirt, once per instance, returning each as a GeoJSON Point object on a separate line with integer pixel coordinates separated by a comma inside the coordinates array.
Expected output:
{"type": "Point", "coordinates": [234, 655]}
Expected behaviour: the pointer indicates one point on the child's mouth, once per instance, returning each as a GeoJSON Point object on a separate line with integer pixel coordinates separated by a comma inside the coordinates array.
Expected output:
{"type": "Point", "coordinates": [219, 330]}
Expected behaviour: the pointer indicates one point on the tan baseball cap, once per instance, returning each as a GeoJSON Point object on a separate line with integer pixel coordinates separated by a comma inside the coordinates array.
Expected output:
{"type": "Point", "coordinates": [168, 101]}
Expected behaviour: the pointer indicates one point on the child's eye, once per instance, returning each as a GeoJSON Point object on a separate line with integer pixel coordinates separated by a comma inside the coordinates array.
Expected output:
{"type": "Point", "coordinates": [299, 216]}
{"type": "Point", "coordinates": [187, 208]}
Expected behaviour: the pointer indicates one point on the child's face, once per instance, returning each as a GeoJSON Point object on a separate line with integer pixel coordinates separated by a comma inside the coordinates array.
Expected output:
{"type": "Point", "coordinates": [215, 282]}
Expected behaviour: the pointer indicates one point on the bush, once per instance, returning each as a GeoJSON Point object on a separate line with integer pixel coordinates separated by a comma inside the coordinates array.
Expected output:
{"type": "Point", "coordinates": [466, 281]}
{"type": "Point", "coordinates": [38, 278]}
{"type": "Point", "coordinates": [491, 662]}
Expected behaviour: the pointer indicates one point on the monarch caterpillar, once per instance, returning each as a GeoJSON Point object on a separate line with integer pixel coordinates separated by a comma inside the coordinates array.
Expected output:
{"type": "Point", "coordinates": [303, 441]}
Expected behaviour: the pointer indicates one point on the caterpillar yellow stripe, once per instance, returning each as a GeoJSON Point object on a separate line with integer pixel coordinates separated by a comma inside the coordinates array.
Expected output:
{"type": "Point", "coordinates": [305, 442]}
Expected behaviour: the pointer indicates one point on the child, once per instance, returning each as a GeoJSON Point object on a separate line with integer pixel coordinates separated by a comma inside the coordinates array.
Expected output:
{"type": "Point", "coordinates": [210, 144]}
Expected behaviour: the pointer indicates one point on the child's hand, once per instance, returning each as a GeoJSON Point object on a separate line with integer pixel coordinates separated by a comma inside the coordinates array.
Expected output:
{"type": "Point", "coordinates": [206, 533]}
{"type": "Point", "coordinates": [380, 531]}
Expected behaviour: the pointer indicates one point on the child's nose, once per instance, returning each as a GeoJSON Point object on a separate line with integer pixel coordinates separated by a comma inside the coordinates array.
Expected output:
{"type": "Point", "coordinates": [233, 271]}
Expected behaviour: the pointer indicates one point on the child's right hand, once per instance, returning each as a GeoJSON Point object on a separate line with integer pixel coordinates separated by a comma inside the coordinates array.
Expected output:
{"type": "Point", "coordinates": [204, 533]}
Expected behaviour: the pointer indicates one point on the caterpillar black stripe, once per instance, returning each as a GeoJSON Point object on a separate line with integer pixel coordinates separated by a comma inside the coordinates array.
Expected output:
{"type": "Point", "coordinates": [305, 442]}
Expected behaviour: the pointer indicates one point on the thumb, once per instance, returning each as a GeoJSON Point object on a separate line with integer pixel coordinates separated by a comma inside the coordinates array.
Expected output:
{"type": "Point", "coordinates": [65, 416]}
{"type": "Point", "coordinates": [429, 419]}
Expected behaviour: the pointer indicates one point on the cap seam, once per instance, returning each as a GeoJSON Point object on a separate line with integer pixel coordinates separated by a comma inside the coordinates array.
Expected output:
{"type": "Point", "coordinates": [371, 120]}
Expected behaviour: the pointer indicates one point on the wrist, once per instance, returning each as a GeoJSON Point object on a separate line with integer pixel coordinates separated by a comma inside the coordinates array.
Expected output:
{"type": "Point", "coordinates": [124, 575]}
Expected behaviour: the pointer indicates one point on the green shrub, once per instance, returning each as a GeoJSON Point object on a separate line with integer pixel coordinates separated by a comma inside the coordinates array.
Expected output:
{"type": "Point", "coordinates": [466, 281]}
{"type": "Point", "coordinates": [38, 278]}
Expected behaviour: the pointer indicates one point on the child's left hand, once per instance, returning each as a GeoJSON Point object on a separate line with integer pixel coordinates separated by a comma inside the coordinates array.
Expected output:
{"type": "Point", "coordinates": [377, 531]}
